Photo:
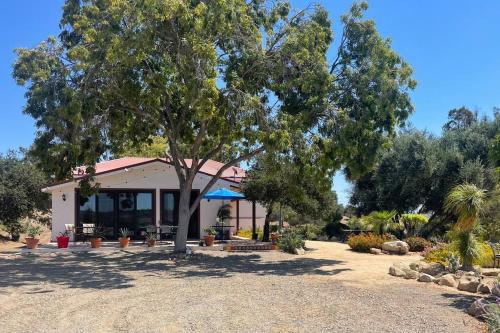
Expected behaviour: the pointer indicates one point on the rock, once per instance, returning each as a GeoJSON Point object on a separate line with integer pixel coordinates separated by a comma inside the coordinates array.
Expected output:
{"type": "Point", "coordinates": [418, 265]}
{"type": "Point", "coordinates": [411, 274]}
{"type": "Point", "coordinates": [496, 290]}
{"type": "Point", "coordinates": [300, 251]}
{"type": "Point", "coordinates": [477, 308]}
{"type": "Point", "coordinates": [396, 247]}
{"type": "Point", "coordinates": [433, 269]}
{"type": "Point", "coordinates": [448, 280]}
{"type": "Point", "coordinates": [375, 251]}
{"type": "Point", "coordinates": [486, 286]}
{"type": "Point", "coordinates": [468, 283]}
{"type": "Point", "coordinates": [425, 278]}
{"type": "Point", "coordinates": [490, 273]}
{"type": "Point", "coordinates": [396, 271]}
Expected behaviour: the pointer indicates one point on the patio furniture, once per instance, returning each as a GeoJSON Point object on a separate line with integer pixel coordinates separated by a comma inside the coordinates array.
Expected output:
{"type": "Point", "coordinates": [147, 230]}
{"type": "Point", "coordinates": [167, 230]}
{"type": "Point", "coordinates": [221, 227]}
{"type": "Point", "coordinates": [496, 255]}
{"type": "Point", "coordinates": [84, 231]}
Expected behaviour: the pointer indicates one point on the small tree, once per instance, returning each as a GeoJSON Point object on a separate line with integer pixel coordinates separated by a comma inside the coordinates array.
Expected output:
{"type": "Point", "coordinates": [413, 223]}
{"type": "Point", "coordinates": [381, 222]}
{"type": "Point", "coordinates": [20, 191]}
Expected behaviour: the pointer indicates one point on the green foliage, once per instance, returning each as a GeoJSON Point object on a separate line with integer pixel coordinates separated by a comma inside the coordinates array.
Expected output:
{"type": "Point", "coordinates": [467, 247]}
{"type": "Point", "coordinates": [439, 254]}
{"type": "Point", "coordinates": [453, 262]}
{"type": "Point", "coordinates": [459, 119]}
{"type": "Point", "coordinates": [154, 146]}
{"type": "Point", "coordinates": [124, 232]}
{"type": "Point", "coordinates": [381, 222]}
{"type": "Point", "coordinates": [290, 241]}
{"type": "Point", "coordinates": [20, 191]}
{"type": "Point", "coordinates": [481, 252]}
{"type": "Point", "coordinates": [224, 212]}
{"type": "Point", "coordinates": [417, 244]}
{"type": "Point", "coordinates": [413, 223]}
{"type": "Point", "coordinates": [492, 317]}
{"type": "Point", "coordinates": [210, 231]}
{"type": "Point", "coordinates": [232, 76]}
{"type": "Point", "coordinates": [307, 231]}
{"type": "Point", "coordinates": [33, 231]}
{"type": "Point", "coordinates": [466, 201]}
{"type": "Point", "coordinates": [365, 241]}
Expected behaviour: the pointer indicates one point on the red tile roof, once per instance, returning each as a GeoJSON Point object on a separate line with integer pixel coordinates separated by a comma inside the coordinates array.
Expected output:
{"type": "Point", "coordinates": [210, 168]}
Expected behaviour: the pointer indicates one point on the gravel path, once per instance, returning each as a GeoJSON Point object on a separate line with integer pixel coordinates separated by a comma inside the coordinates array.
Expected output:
{"type": "Point", "coordinates": [328, 289]}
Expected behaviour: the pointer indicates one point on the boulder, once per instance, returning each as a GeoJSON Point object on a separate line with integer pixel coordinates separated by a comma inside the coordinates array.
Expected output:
{"type": "Point", "coordinates": [425, 278]}
{"type": "Point", "coordinates": [468, 283]}
{"type": "Point", "coordinates": [375, 251]}
{"type": "Point", "coordinates": [396, 271]}
{"type": "Point", "coordinates": [419, 265]}
{"type": "Point", "coordinates": [300, 251]}
{"type": "Point", "coordinates": [448, 280]}
{"type": "Point", "coordinates": [433, 269]}
{"type": "Point", "coordinates": [402, 270]}
{"type": "Point", "coordinates": [478, 308]}
{"type": "Point", "coordinates": [410, 274]}
{"type": "Point", "coordinates": [496, 290]}
{"type": "Point", "coordinates": [486, 286]}
{"type": "Point", "coordinates": [396, 247]}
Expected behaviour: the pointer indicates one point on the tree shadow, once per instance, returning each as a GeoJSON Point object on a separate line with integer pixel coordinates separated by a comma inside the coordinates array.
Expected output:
{"type": "Point", "coordinates": [115, 270]}
{"type": "Point", "coordinates": [461, 301]}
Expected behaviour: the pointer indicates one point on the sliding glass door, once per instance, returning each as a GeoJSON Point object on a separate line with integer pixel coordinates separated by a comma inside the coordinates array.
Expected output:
{"type": "Point", "coordinates": [115, 209]}
{"type": "Point", "coordinates": [169, 211]}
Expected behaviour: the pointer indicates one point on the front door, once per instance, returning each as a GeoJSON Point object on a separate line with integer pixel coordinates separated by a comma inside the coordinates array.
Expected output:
{"type": "Point", "coordinates": [170, 211]}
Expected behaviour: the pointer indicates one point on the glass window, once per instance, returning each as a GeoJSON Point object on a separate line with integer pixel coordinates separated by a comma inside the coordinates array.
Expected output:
{"type": "Point", "coordinates": [106, 212]}
{"type": "Point", "coordinates": [144, 211]}
{"type": "Point", "coordinates": [87, 209]}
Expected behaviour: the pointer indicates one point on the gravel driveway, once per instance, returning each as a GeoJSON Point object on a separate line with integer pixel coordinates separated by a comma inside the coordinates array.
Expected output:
{"type": "Point", "coordinates": [328, 289]}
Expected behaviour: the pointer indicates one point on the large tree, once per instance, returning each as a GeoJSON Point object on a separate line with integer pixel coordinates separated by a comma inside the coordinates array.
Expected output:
{"type": "Point", "coordinates": [210, 75]}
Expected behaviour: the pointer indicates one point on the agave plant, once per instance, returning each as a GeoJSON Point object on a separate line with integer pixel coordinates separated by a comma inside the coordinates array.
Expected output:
{"type": "Point", "coordinates": [466, 201]}
{"type": "Point", "coordinates": [381, 222]}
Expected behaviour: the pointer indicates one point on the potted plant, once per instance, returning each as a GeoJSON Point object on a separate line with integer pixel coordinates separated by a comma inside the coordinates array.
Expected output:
{"type": "Point", "coordinates": [96, 236]}
{"type": "Point", "coordinates": [210, 237]}
{"type": "Point", "coordinates": [124, 239]}
{"type": "Point", "coordinates": [63, 240]}
{"type": "Point", "coordinates": [32, 239]}
{"type": "Point", "coordinates": [151, 239]}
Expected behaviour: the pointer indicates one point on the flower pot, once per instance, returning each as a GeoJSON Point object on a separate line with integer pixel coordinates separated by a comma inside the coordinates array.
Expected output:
{"type": "Point", "coordinates": [124, 241]}
{"type": "Point", "coordinates": [31, 243]}
{"type": "Point", "coordinates": [151, 242]}
{"type": "Point", "coordinates": [209, 240]}
{"type": "Point", "coordinates": [95, 243]}
{"type": "Point", "coordinates": [274, 247]}
{"type": "Point", "coordinates": [62, 242]}
{"type": "Point", "coordinates": [274, 238]}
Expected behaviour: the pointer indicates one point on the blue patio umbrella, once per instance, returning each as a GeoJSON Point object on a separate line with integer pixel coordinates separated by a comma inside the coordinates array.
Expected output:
{"type": "Point", "coordinates": [223, 194]}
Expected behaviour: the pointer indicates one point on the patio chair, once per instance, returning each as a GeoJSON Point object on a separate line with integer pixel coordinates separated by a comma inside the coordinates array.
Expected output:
{"type": "Point", "coordinates": [496, 255]}
{"type": "Point", "coordinates": [87, 230]}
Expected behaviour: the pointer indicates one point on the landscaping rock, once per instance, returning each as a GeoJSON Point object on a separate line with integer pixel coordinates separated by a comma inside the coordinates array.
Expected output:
{"type": "Point", "coordinates": [477, 308]}
{"type": "Point", "coordinates": [400, 269]}
{"type": "Point", "coordinates": [448, 280]}
{"type": "Point", "coordinates": [496, 290]}
{"type": "Point", "coordinates": [425, 278]}
{"type": "Point", "coordinates": [468, 283]}
{"type": "Point", "coordinates": [419, 265]}
{"type": "Point", "coordinates": [433, 269]}
{"type": "Point", "coordinates": [396, 247]}
{"type": "Point", "coordinates": [300, 251]}
{"type": "Point", "coordinates": [486, 286]}
{"type": "Point", "coordinates": [410, 274]}
{"type": "Point", "coordinates": [375, 251]}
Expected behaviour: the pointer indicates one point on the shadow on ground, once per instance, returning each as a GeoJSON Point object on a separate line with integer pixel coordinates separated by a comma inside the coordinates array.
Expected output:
{"type": "Point", "coordinates": [461, 301]}
{"type": "Point", "coordinates": [116, 270]}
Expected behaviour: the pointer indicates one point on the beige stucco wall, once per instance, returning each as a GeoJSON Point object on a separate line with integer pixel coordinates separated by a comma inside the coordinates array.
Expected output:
{"type": "Point", "coordinates": [155, 176]}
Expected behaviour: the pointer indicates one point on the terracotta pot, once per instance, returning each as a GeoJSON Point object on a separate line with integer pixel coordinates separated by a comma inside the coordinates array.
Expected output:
{"type": "Point", "coordinates": [151, 242]}
{"type": "Point", "coordinates": [209, 240]}
{"type": "Point", "coordinates": [95, 243]}
{"type": "Point", "coordinates": [274, 247]}
{"type": "Point", "coordinates": [62, 242]}
{"type": "Point", "coordinates": [124, 241]}
{"type": "Point", "coordinates": [274, 238]}
{"type": "Point", "coordinates": [31, 243]}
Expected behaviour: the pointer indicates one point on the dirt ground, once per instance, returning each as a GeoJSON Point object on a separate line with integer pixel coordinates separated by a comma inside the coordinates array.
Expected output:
{"type": "Point", "coordinates": [329, 289]}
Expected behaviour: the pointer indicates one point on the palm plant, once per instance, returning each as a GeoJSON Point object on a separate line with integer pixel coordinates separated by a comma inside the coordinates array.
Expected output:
{"type": "Point", "coordinates": [381, 222]}
{"type": "Point", "coordinates": [466, 201]}
{"type": "Point", "coordinates": [413, 223]}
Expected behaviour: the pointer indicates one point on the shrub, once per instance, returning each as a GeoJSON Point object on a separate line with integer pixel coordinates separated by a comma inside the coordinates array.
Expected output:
{"type": "Point", "coordinates": [333, 229]}
{"type": "Point", "coordinates": [442, 252]}
{"type": "Point", "coordinates": [485, 255]}
{"type": "Point", "coordinates": [290, 241]}
{"type": "Point", "coordinates": [492, 317]}
{"type": "Point", "coordinates": [438, 253]}
{"type": "Point", "coordinates": [307, 231]}
{"type": "Point", "coordinates": [417, 244]}
{"type": "Point", "coordinates": [363, 242]}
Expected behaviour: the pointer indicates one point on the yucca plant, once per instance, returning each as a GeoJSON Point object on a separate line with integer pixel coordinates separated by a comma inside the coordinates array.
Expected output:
{"type": "Point", "coordinates": [467, 246]}
{"type": "Point", "coordinates": [381, 222]}
{"type": "Point", "coordinates": [466, 201]}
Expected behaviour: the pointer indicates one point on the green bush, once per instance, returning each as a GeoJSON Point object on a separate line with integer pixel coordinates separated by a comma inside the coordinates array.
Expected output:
{"type": "Point", "coordinates": [492, 317]}
{"type": "Point", "coordinates": [363, 242]}
{"type": "Point", "coordinates": [417, 244]}
{"type": "Point", "coordinates": [290, 241]}
{"type": "Point", "coordinates": [307, 231]}
{"type": "Point", "coordinates": [442, 252]}
{"type": "Point", "coordinates": [439, 253]}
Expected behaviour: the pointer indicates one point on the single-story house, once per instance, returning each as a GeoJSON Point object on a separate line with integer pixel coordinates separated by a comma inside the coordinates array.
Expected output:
{"type": "Point", "coordinates": [137, 192]}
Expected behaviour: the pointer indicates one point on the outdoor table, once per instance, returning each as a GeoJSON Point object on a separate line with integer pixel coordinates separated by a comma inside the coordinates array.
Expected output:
{"type": "Point", "coordinates": [222, 226]}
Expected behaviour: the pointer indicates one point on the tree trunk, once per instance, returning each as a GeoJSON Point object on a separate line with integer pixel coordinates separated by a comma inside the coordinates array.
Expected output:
{"type": "Point", "coordinates": [184, 217]}
{"type": "Point", "coordinates": [265, 236]}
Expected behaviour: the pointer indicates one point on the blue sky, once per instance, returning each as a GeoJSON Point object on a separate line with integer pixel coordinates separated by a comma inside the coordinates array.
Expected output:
{"type": "Point", "coordinates": [452, 45]}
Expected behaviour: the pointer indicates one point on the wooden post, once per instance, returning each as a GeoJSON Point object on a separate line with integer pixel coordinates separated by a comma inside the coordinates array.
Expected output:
{"type": "Point", "coordinates": [254, 222]}
{"type": "Point", "coordinates": [237, 215]}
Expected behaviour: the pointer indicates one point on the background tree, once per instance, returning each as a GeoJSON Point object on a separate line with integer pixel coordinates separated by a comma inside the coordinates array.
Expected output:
{"type": "Point", "coordinates": [413, 223]}
{"type": "Point", "coordinates": [20, 191]}
{"type": "Point", "coordinates": [459, 119]}
{"type": "Point", "coordinates": [208, 76]}
{"type": "Point", "coordinates": [381, 222]}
